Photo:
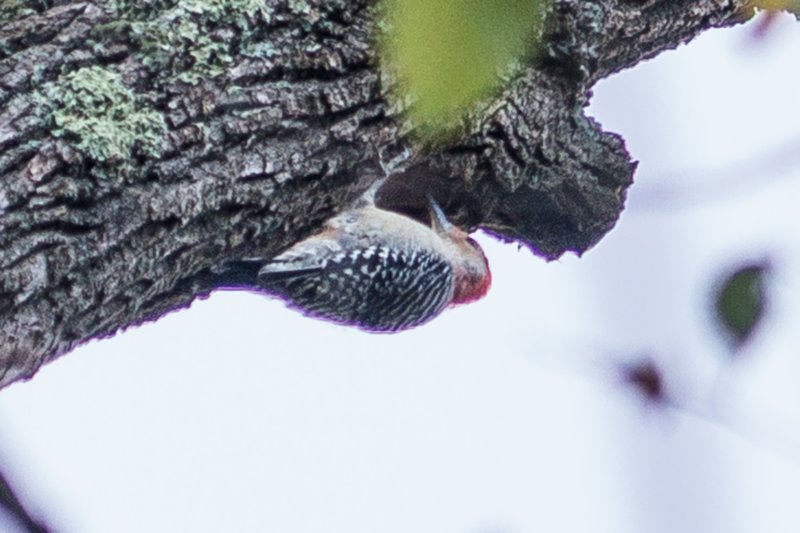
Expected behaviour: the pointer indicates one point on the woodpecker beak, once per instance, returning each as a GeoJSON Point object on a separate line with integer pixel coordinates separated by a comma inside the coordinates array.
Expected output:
{"type": "Point", "coordinates": [439, 221]}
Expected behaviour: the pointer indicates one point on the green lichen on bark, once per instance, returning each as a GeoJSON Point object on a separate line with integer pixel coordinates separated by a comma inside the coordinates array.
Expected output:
{"type": "Point", "coordinates": [189, 40]}
{"type": "Point", "coordinates": [92, 109]}
{"type": "Point", "coordinates": [11, 10]}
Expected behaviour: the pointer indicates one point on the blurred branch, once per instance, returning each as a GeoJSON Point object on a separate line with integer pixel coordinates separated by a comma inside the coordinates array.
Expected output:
{"type": "Point", "coordinates": [10, 501]}
{"type": "Point", "coordinates": [648, 381]}
{"type": "Point", "coordinates": [645, 377]}
{"type": "Point", "coordinates": [766, 439]}
{"type": "Point", "coordinates": [727, 182]}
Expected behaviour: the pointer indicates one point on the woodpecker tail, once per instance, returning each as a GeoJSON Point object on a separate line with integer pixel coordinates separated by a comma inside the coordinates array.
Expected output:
{"type": "Point", "coordinates": [239, 273]}
{"type": "Point", "coordinates": [267, 276]}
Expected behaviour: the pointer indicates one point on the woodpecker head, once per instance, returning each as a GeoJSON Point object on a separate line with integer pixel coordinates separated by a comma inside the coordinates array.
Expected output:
{"type": "Point", "coordinates": [470, 266]}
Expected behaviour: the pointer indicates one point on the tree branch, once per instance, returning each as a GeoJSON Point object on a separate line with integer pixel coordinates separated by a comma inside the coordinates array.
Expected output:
{"type": "Point", "coordinates": [140, 146]}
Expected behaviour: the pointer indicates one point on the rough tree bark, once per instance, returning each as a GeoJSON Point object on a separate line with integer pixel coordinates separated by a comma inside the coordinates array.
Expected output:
{"type": "Point", "coordinates": [143, 142]}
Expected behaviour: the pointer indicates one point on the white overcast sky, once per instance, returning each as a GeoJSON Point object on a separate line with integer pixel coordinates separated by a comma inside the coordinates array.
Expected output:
{"type": "Point", "coordinates": [505, 416]}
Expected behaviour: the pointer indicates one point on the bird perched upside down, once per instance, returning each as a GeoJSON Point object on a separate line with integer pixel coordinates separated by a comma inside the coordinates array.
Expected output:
{"type": "Point", "coordinates": [373, 269]}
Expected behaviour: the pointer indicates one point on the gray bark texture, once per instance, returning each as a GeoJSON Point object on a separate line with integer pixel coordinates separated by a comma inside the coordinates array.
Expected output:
{"type": "Point", "coordinates": [144, 142]}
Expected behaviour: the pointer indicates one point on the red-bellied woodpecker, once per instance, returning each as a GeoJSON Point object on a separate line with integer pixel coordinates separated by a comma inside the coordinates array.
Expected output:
{"type": "Point", "coordinates": [374, 269]}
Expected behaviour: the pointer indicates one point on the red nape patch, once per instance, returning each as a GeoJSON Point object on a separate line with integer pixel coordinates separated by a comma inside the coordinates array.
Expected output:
{"type": "Point", "coordinates": [470, 289]}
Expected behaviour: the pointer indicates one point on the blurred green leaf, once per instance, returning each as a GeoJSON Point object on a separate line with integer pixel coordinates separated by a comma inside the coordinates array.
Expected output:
{"type": "Point", "coordinates": [792, 6]}
{"type": "Point", "coordinates": [740, 301]}
{"type": "Point", "coordinates": [449, 53]}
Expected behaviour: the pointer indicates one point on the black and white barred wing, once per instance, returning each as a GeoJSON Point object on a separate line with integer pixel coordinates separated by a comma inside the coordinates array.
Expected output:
{"type": "Point", "coordinates": [375, 288]}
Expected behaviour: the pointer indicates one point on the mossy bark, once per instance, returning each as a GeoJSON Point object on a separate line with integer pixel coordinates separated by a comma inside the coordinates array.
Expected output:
{"type": "Point", "coordinates": [141, 143]}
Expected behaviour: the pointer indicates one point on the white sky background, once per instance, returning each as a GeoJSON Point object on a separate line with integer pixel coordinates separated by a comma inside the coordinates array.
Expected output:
{"type": "Point", "coordinates": [505, 416]}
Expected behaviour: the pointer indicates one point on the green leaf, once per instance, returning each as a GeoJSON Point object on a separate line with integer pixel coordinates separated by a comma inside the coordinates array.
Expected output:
{"type": "Point", "coordinates": [447, 54]}
{"type": "Point", "coordinates": [740, 301]}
